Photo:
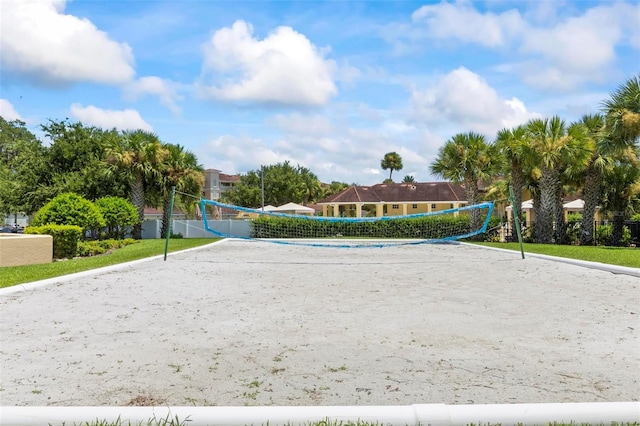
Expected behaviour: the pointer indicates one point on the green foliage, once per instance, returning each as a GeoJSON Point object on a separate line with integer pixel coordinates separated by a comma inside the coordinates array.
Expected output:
{"type": "Point", "coordinates": [21, 167]}
{"type": "Point", "coordinates": [93, 248]}
{"type": "Point", "coordinates": [75, 162]}
{"type": "Point", "coordinates": [391, 161]}
{"type": "Point", "coordinates": [574, 225]}
{"type": "Point", "coordinates": [283, 183]}
{"type": "Point", "coordinates": [493, 229]}
{"type": "Point", "coordinates": [604, 236]}
{"type": "Point", "coordinates": [118, 214]}
{"type": "Point", "coordinates": [65, 238]}
{"type": "Point", "coordinates": [430, 227]}
{"type": "Point", "coordinates": [70, 209]}
{"type": "Point", "coordinates": [635, 218]}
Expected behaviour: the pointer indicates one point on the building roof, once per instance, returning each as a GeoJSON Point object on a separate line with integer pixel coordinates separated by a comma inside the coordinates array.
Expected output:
{"type": "Point", "coordinates": [399, 192]}
{"type": "Point", "coordinates": [228, 178]}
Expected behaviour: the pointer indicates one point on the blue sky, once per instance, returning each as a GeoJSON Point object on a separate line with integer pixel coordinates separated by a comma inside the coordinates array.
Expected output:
{"type": "Point", "coordinates": [329, 85]}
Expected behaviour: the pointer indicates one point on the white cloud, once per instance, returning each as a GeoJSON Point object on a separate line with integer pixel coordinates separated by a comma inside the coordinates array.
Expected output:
{"type": "Point", "coordinates": [42, 43]}
{"type": "Point", "coordinates": [165, 90]}
{"type": "Point", "coordinates": [576, 50]}
{"type": "Point", "coordinates": [283, 68]}
{"type": "Point", "coordinates": [128, 119]}
{"type": "Point", "coordinates": [8, 112]}
{"type": "Point", "coordinates": [466, 101]}
{"type": "Point", "coordinates": [461, 21]}
{"type": "Point", "coordinates": [557, 46]}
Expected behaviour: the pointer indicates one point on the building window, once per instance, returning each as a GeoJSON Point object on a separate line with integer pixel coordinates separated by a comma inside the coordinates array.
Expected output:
{"type": "Point", "coordinates": [414, 206]}
{"type": "Point", "coordinates": [395, 206]}
{"type": "Point", "coordinates": [433, 206]}
{"type": "Point", "coordinates": [451, 205]}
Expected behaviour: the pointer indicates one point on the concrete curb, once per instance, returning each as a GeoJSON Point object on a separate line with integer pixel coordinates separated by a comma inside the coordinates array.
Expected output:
{"type": "Point", "coordinates": [614, 269]}
{"type": "Point", "coordinates": [37, 284]}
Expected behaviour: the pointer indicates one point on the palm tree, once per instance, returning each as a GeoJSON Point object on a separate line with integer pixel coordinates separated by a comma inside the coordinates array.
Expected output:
{"type": "Point", "coordinates": [591, 129]}
{"type": "Point", "coordinates": [180, 169]}
{"type": "Point", "coordinates": [512, 145]}
{"type": "Point", "coordinates": [137, 155]}
{"type": "Point", "coordinates": [622, 111]}
{"type": "Point", "coordinates": [408, 179]}
{"type": "Point", "coordinates": [391, 161]}
{"type": "Point", "coordinates": [555, 152]}
{"type": "Point", "coordinates": [621, 190]}
{"type": "Point", "coordinates": [467, 158]}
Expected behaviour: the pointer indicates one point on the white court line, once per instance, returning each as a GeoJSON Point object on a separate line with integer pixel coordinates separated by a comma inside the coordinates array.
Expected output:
{"type": "Point", "coordinates": [615, 269]}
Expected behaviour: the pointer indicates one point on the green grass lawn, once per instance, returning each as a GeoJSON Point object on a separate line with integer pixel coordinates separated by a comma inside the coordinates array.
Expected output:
{"type": "Point", "coordinates": [12, 275]}
{"type": "Point", "coordinates": [621, 256]}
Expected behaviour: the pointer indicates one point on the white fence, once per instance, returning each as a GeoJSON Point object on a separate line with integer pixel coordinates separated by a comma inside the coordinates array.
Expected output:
{"type": "Point", "coordinates": [195, 228]}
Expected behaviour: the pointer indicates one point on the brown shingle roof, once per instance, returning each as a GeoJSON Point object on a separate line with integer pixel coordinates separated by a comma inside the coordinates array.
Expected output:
{"type": "Point", "coordinates": [399, 192]}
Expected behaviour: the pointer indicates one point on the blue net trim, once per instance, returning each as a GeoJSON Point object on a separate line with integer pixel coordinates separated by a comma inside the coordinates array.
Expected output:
{"type": "Point", "coordinates": [330, 241]}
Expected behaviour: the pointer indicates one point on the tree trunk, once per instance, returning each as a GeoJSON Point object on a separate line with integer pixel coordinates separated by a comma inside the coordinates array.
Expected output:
{"type": "Point", "coordinates": [560, 229]}
{"type": "Point", "coordinates": [591, 196]}
{"type": "Point", "coordinates": [137, 198]}
{"type": "Point", "coordinates": [166, 207]}
{"type": "Point", "coordinates": [544, 220]}
{"type": "Point", "coordinates": [471, 191]}
{"type": "Point", "coordinates": [617, 229]}
{"type": "Point", "coordinates": [517, 182]}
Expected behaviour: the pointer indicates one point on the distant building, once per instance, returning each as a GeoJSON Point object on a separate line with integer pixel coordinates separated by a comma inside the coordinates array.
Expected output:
{"type": "Point", "coordinates": [217, 183]}
{"type": "Point", "coordinates": [392, 199]}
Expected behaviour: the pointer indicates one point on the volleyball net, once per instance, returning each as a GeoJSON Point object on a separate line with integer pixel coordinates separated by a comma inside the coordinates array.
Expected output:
{"type": "Point", "coordinates": [439, 226]}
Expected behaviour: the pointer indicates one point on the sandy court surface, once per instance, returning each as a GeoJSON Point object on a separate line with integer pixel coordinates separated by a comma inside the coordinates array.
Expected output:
{"type": "Point", "coordinates": [254, 323]}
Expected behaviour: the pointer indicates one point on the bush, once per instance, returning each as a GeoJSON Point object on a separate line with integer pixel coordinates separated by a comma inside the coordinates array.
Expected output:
{"type": "Point", "coordinates": [429, 227]}
{"type": "Point", "coordinates": [635, 218]}
{"type": "Point", "coordinates": [119, 214]}
{"type": "Point", "coordinates": [65, 238]}
{"type": "Point", "coordinates": [94, 248]}
{"type": "Point", "coordinates": [604, 235]}
{"type": "Point", "coordinates": [574, 221]}
{"type": "Point", "coordinates": [70, 209]}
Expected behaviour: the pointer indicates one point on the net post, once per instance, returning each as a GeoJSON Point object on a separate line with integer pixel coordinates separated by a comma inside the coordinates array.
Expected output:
{"type": "Point", "coordinates": [516, 219]}
{"type": "Point", "coordinates": [168, 234]}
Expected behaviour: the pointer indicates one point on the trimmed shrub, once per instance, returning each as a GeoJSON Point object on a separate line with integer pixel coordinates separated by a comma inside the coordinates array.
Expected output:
{"type": "Point", "coordinates": [119, 214]}
{"type": "Point", "coordinates": [65, 238]}
{"type": "Point", "coordinates": [604, 235]}
{"type": "Point", "coordinates": [70, 209]}
{"type": "Point", "coordinates": [94, 248]}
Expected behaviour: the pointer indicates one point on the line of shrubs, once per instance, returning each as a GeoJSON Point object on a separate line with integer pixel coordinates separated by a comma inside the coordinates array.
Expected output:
{"type": "Point", "coordinates": [82, 228]}
{"type": "Point", "coordinates": [428, 227]}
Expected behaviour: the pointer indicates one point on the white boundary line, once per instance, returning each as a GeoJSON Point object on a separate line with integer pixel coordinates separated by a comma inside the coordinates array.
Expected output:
{"type": "Point", "coordinates": [36, 284]}
{"type": "Point", "coordinates": [614, 269]}
{"type": "Point", "coordinates": [634, 272]}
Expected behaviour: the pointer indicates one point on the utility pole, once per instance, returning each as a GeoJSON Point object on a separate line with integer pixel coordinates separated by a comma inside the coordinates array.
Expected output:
{"type": "Point", "coordinates": [262, 184]}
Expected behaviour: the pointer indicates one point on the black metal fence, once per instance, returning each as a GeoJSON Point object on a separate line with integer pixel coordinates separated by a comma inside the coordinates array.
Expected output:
{"type": "Point", "coordinates": [601, 232]}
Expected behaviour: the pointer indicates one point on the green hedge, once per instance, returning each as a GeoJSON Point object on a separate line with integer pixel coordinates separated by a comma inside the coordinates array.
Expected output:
{"type": "Point", "coordinates": [430, 227]}
{"type": "Point", "coordinates": [65, 238]}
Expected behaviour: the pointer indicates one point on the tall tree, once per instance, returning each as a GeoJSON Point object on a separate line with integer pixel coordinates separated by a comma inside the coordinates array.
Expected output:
{"type": "Point", "coordinates": [21, 166]}
{"type": "Point", "coordinates": [179, 169]}
{"type": "Point", "coordinates": [622, 190]}
{"type": "Point", "coordinates": [512, 144]}
{"type": "Point", "coordinates": [467, 158]}
{"type": "Point", "coordinates": [137, 156]}
{"type": "Point", "coordinates": [75, 161]}
{"type": "Point", "coordinates": [622, 112]}
{"type": "Point", "coordinates": [282, 182]}
{"type": "Point", "coordinates": [554, 150]}
{"type": "Point", "coordinates": [391, 161]}
{"type": "Point", "coordinates": [591, 128]}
